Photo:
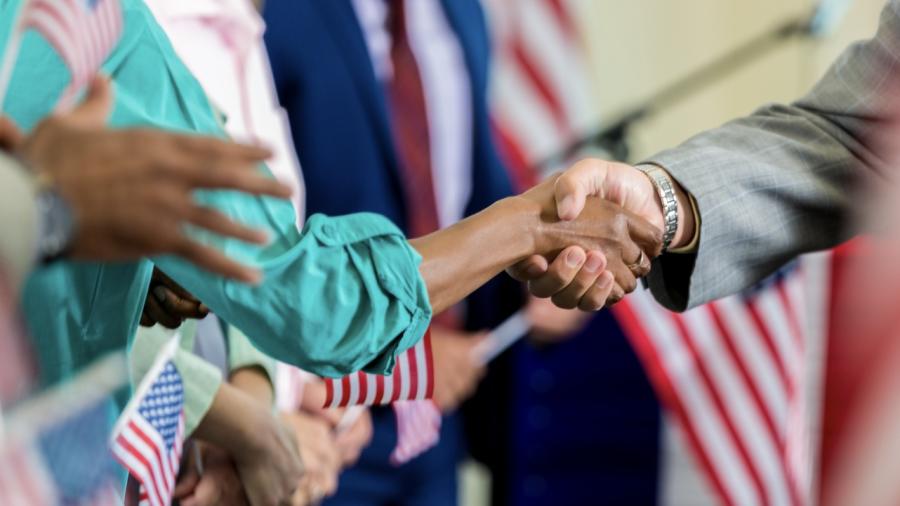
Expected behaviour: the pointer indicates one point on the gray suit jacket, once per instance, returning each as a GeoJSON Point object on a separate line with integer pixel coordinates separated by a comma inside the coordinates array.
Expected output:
{"type": "Point", "coordinates": [780, 182]}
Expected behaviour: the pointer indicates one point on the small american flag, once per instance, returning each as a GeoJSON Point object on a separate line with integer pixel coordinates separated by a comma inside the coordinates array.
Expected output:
{"type": "Point", "coordinates": [83, 32]}
{"type": "Point", "coordinates": [149, 436]}
{"type": "Point", "coordinates": [418, 429]}
{"type": "Point", "coordinates": [412, 379]}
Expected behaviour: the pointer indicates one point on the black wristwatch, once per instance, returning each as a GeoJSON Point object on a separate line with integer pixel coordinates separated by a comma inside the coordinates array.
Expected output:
{"type": "Point", "coordinates": [56, 224]}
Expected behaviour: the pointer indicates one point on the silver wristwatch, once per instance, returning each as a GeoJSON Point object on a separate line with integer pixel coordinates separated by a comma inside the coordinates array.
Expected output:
{"type": "Point", "coordinates": [665, 188]}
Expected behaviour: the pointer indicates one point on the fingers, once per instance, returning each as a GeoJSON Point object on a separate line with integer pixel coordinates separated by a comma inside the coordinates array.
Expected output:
{"type": "Point", "coordinates": [575, 184]}
{"type": "Point", "coordinates": [176, 305]}
{"type": "Point", "coordinates": [571, 295]}
{"type": "Point", "coordinates": [246, 180]}
{"type": "Point", "coordinates": [94, 110]}
{"type": "Point", "coordinates": [157, 313]}
{"type": "Point", "coordinates": [597, 295]}
{"type": "Point", "coordinates": [560, 273]}
{"type": "Point", "coordinates": [215, 261]}
{"type": "Point", "coordinates": [217, 222]}
{"type": "Point", "coordinates": [528, 269]}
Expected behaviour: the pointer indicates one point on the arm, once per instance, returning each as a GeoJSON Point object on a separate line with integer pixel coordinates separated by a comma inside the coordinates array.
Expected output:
{"type": "Point", "coordinates": [772, 185]}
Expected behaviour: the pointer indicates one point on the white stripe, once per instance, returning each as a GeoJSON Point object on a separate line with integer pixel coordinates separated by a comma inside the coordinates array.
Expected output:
{"type": "Point", "coordinates": [705, 418]}
{"type": "Point", "coordinates": [774, 314]}
{"type": "Point", "coordinates": [758, 361]}
{"type": "Point", "coordinates": [746, 419]}
{"type": "Point", "coordinates": [422, 370]}
{"type": "Point", "coordinates": [794, 288]}
{"type": "Point", "coordinates": [338, 391]}
{"type": "Point", "coordinates": [388, 388]}
{"type": "Point", "coordinates": [353, 395]}
{"type": "Point", "coordinates": [138, 469]}
{"type": "Point", "coordinates": [370, 389]}
{"type": "Point", "coordinates": [558, 61]}
{"type": "Point", "coordinates": [403, 369]}
{"type": "Point", "coordinates": [522, 113]}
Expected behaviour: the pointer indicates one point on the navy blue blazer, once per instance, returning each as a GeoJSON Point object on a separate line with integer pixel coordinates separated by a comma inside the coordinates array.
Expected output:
{"type": "Point", "coordinates": [339, 119]}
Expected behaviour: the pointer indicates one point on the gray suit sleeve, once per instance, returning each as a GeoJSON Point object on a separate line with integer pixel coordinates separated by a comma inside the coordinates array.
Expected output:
{"type": "Point", "coordinates": [780, 182]}
{"type": "Point", "coordinates": [18, 219]}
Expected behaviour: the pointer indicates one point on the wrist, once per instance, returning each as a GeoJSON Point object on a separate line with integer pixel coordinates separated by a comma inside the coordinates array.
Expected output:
{"type": "Point", "coordinates": [519, 227]}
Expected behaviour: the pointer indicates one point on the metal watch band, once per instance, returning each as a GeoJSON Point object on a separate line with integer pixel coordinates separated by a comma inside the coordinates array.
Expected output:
{"type": "Point", "coordinates": [665, 188]}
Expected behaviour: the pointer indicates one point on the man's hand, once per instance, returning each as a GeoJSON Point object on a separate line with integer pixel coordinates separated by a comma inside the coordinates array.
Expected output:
{"type": "Point", "coordinates": [320, 454]}
{"type": "Point", "coordinates": [131, 190]}
{"type": "Point", "coordinates": [619, 247]}
{"type": "Point", "coordinates": [615, 182]}
{"type": "Point", "coordinates": [456, 372]}
{"type": "Point", "coordinates": [219, 484]}
{"type": "Point", "coordinates": [169, 304]}
{"type": "Point", "coordinates": [350, 441]}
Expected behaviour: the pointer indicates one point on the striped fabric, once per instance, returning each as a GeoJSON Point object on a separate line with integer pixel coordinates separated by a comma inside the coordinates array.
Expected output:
{"type": "Point", "coordinates": [412, 379]}
{"type": "Point", "coordinates": [733, 374]}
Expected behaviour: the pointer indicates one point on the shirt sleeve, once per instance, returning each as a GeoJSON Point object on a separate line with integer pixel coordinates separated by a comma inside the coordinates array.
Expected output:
{"type": "Point", "coordinates": [343, 295]}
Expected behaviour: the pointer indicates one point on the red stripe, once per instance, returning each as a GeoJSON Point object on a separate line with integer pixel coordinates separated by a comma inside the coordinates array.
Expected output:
{"type": "Point", "coordinates": [345, 391]}
{"type": "Point", "coordinates": [659, 376]}
{"type": "Point", "coordinates": [429, 363]}
{"type": "Point", "coordinates": [777, 359]}
{"type": "Point", "coordinates": [543, 88]}
{"type": "Point", "coordinates": [329, 392]}
{"type": "Point", "coordinates": [363, 388]}
{"type": "Point", "coordinates": [379, 389]}
{"type": "Point", "coordinates": [712, 388]}
{"type": "Point", "coordinates": [123, 442]}
{"type": "Point", "coordinates": [566, 22]}
{"type": "Point", "coordinates": [735, 355]}
{"type": "Point", "coordinates": [413, 371]}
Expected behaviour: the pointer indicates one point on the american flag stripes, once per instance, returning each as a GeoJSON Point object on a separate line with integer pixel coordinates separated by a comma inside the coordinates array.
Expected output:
{"type": "Point", "coordinates": [418, 429]}
{"type": "Point", "coordinates": [149, 436]}
{"type": "Point", "coordinates": [412, 379]}
{"type": "Point", "coordinates": [83, 32]}
{"type": "Point", "coordinates": [733, 373]}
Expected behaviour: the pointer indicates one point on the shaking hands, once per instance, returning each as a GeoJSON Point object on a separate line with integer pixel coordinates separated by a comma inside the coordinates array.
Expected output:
{"type": "Point", "coordinates": [612, 217]}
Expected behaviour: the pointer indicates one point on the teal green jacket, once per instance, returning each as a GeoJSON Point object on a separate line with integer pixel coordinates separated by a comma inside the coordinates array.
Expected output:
{"type": "Point", "coordinates": [343, 295]}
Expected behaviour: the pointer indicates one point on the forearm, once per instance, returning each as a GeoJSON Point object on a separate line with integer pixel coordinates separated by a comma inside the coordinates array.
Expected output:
{"type": "Point", "coordinates": [236, 421]}
{"type": "Point", "coordinates": [459, 259]}
{"type": "Point", "coordinates": [254, 382]}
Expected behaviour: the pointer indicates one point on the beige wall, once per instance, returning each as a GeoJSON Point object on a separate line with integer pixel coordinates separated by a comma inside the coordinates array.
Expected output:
{"type": "Point", "coordinates": [637, 47]}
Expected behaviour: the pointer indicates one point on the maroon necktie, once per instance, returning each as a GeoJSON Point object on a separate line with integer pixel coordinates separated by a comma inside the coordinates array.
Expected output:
{"type": "Point", "coordinates": [409, 118]}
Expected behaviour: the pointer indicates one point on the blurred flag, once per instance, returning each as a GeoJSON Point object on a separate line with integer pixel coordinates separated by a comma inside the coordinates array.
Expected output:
{"type": "Point", "coordinates": [412, 379]}
{"type": "Point", "coordinates": [83, 32]}
{"type": "Point", "coordinates": [418, 429]}
{"type": "Point", "coordinates": [149, 436]}
{"type": "Point", "coordinates": [57, 451]}
{"type": "Point", "coordinates": [733, 373]}
{"type": "Point", "coordinates": [540, 90]}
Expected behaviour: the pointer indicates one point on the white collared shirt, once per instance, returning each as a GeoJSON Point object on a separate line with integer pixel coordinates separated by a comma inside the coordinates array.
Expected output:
{"type": "Point", "coordinates": [447, 88]}
{"type": "Point", "coordinates": [220, 42]}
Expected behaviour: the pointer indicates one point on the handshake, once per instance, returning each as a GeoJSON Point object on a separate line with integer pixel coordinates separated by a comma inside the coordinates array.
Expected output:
{"type": "Point", "coordinates": [599, 226]}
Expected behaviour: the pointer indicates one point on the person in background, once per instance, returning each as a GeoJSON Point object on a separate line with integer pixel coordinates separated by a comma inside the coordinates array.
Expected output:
{"type": "Point", "coordinates": [220, 42]}
{"type": "Point", "coordinates": [387, 106]}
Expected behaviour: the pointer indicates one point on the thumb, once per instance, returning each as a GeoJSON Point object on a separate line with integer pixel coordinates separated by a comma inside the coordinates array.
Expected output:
{"type": "Point", "coordinates": [575, 184]}
{"type": "Point", "coordinates": [96, 107]}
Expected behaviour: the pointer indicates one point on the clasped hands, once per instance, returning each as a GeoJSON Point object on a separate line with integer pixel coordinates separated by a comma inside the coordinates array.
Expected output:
{"type": "Point", "coordinates": [606, 221]}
